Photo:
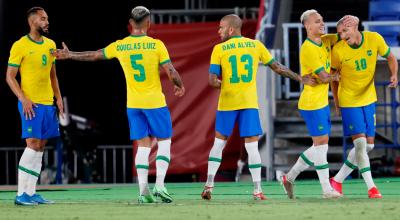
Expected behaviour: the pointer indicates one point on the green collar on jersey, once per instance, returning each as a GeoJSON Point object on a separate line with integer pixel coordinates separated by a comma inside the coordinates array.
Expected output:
{"type": "Point", "coordinates": [140, 35]}
{"type": "Point", "coordinates": [36, 42]}
{"type": "Point", "coordinates": [362, 41]}
{"type": "Point", "coordinates": [235, 37]}
{"type": "Point", "coordinates": [319, 45]}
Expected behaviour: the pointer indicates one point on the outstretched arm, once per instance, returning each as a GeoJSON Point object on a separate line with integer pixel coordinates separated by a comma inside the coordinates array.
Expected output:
{"type": "Point", "coordinates": [286, 72]}
{"type": "Point", "coordinates": [65, 53]}
{"type": "Point", "coordinates": [393, 66]}
{"type": "Point", "coordinates": [175, 78]}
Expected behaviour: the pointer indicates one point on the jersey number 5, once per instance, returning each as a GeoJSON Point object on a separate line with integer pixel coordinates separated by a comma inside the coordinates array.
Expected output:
{"type": "Point", "coordinates": [139, 67]}
{"type": "Point", "coordinates": [248, 65]}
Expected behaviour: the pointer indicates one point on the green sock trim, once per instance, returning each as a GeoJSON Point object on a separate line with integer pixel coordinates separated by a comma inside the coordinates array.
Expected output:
{"type": "Point", "coordinates": [215, 159]}
{"type": "Point", "coordinates": [365, 169]}
{"type": "Point", "coordinates": [321, 167]}
{"type": "Point", "coordinates": [349, 164]}
{"type": "Point", "coordinates": [164, 158]}
{"type": "Point", "coordinates": [253, 166]}
{"type": "Point", "coordinates": [28, 171]}
{"type": "Point", "coordinates": [139, 166]}
{"type": "Point", "coordinates": [306, 159]}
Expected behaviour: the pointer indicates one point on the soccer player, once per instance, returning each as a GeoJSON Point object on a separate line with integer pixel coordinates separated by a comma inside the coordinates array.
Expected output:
{"type": "Point", "coordinates": [315, 58]}
{"type": "Point", "coordinates": [236, 61]}
{"type": "Point", "coordinates": [31, 56]}
{"type": "Point", "coordinates": [355, 58]}
{"type": "Point", "coordinates": [140, 57]}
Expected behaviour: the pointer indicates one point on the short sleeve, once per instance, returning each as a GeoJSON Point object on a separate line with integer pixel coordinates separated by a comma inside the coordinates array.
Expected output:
{"type": "Point", "coordinates": [383, 48]}
{"type": "Point", "coordinates": [53, 48]}
{"type": "Point", "coordinates": [309, 57]}
{"type": "Point", "coordinates": [16, 55]}
{"type": "Point", "coordinates": [215, 62]}
{"type": "Point", "coordinates": [110, 51]}
{"type": "Point", "coordinates": [163, 52]}
{"type": "Point", "coordinates": [265, 56]}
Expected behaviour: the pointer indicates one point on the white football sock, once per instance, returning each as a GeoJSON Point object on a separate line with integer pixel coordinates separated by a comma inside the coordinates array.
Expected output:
{"type": "Point", "coordinates": [37, 167]}
{"type": "Point", "coordinates": [360, 145]}
{"type": "Point", "coordinates": [254, 164]}
{"type": "Point", "coordinates": [142, 168]}
{"type": "Point", "coordinates": [162, 161]}
{"type": "Point", "coordinates": [214, 160]}
{"type": "Point", "coordinates": [25, 169]}
{"type": "Point", "coordinates": [322, 167]}
{"type": "Point", "coordinates": [304, 161]}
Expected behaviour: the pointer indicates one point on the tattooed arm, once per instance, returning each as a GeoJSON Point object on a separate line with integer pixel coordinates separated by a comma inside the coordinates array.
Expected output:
{"type": "Point", "coordinates": [286, 72]}
{"type": "Point", "coordinates": [65, 53]}
{"type": "Point", "coordinates": [175, 78]}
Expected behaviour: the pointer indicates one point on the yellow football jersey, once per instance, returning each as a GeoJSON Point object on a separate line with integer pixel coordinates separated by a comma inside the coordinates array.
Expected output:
{"type": "Point", "coordinates": [313, 59]}
{"type": "Point", "coordinates": [34, 61]}
{"type": "Point", "coordinates": [237, 60]}
{"type": "Point", "coordinates": [140, 58]}
{"type": "Point", "coordinates": [357, 69]}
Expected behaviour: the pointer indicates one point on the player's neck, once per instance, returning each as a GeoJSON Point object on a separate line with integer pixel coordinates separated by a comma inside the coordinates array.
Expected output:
{"type": "Point", "coordinates": [138, 32]}
{"type": "Point", "coordinates": [358, 39]}
{"type": "Point", "coordinates": [315, 38]}
{"type": "Point", "coordinates": [34, 35]}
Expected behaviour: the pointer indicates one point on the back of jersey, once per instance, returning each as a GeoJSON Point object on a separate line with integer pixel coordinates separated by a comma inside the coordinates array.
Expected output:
{"type": "Point", "coordinates": [140, 57]}
{"type": "Point", "coordinates": [237, 60]}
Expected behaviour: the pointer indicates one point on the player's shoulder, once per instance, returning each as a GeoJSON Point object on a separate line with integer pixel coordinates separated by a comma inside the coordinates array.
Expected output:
{"type": "Point", "coordinates": [372, 35]}
{"type": "Point", "coordinates": [49, 41]}
{"type": "Point", "coordinates": [339, 45]}
{"type": "Point", "coordinates": [307, 45]}
{"type": "Point", "coordinates": [21, 41]}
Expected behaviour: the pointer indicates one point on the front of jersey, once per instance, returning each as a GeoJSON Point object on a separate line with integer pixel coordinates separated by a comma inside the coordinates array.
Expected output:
{"type": "Point", "coordinates": [140, 58]}
{"type": "Point", "coordinates": [34, 61]}
{"type": "Point", "coordinates": [236, 61]}
{"type": "Point", "coordinates": [357, 69]}
{"type": "Point", "coordinates": [315, 58]}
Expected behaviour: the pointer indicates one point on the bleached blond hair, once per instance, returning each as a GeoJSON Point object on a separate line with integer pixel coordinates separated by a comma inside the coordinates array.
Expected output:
{"type": "Point", "coordinates": [306, 14]}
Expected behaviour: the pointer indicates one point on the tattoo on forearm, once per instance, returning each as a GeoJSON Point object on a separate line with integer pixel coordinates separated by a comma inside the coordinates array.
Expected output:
{"type": "Point", "coordinates": [84, 56]}
{"type": "Point", "coordinates": [175, 78]}
{"type": "Point", "coordinates": [284, 71]}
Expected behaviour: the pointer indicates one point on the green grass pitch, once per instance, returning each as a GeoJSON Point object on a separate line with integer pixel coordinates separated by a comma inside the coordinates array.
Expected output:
{"type": "Point", "coordinates": [230, 201]}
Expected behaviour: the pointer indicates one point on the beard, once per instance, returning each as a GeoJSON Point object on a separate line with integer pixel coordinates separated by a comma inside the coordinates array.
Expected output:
{"type": "Point", "coordinates": [42, 31]}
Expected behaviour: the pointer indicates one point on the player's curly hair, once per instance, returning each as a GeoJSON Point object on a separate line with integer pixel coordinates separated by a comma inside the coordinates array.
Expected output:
{"type": "Point", "coordinates": [139, 13]}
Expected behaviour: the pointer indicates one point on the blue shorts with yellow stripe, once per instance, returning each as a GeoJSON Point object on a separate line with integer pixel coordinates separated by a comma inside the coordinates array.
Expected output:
{"type": "Point", "coordinates": [318, 121]}
{"type": "Point", "coordinates": [359, 120]}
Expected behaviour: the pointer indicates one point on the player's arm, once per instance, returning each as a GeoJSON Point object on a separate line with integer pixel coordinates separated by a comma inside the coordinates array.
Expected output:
{"type": "Point", "coordinates": [65, 53]}
{"type": "Point", "coordinates": [13, 84]}
{"type": "Point", "coordinates": [334, 88]}
{"type": "Point", "coordinates": [393, 67]}
{"type": "Point", "coordinates": [286, 72]}
{"type": "Point", "coordinates": [327, 78]}
{"type": "Point", "coordinates": [214, 81]}
{"type": "Point", "coordinates": [175, 78]}
{"type": "Point", "coordinates": [56, 89]}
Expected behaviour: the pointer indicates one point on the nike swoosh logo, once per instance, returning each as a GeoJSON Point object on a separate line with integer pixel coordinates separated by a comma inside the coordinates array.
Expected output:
{"type": "Point", "coordinates": [347, 60]}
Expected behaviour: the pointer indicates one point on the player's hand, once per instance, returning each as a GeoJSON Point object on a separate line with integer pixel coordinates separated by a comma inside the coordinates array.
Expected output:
{"type": "Point", "coordinates": [60, 106]}
{"type": "Point", "coordinates": [393, 81]}
{"type": "Point", "coordinates": [27, 106]}
{"type": "Point", "coordinates": [309, 80]}
{"type": "Point", "coordinates": [350, 21]}
{"type": "Point", "coordinates": [179, 91]}
{"type": "Point", "coordinates": [336, 77]}
{"type": "Point", "coordinates": [337, 110]}
{"type": "Point", "coordinates": [62, 54]}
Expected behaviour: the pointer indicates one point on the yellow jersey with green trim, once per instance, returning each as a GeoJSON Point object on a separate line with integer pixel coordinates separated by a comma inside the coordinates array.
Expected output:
{"type": "Point", "coordinates": [357, 69]}
{"type": "Point", "coordinates": [236, 62]}
{"type": "Point", "coordinates": [140, 57]}
{"type": "Point", "coordinates": [34, 61]}
{"type": "Point", "coordinates": [315, 58]}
